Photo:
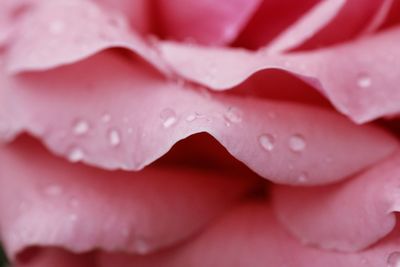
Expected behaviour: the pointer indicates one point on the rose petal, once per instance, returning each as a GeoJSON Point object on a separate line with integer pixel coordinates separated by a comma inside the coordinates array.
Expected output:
{"type": "Point", "coordinates": [137, 11]}
{"type": "Point", "coordinates": [250, 236]}
{"type": "Point", "coordinates": [358, 87]}
{"type": "Point", "coordinates": [50, 257]}
{"type": "Point", "coordinates": [271, 18]}
{"type": "Point", "coordinates": [349, 216]}
{"type": "Point", "coordinates": [352, 20]}
{"type": "Point", "coordinates": [45, 201]}
{"type": "Point", "coordinates": [61, 32]}
{"type": "Point", "coordinates": [185, 20]}
{"type": "Point", "coordinates": [129, 119]}
{"type": "Point", "coordinates": [393, 18]}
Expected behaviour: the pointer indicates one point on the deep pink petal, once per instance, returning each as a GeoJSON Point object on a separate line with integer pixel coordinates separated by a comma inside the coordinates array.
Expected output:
{"type": "Point", "coordinates": [270, 20]}
{"type": "Point", "coordinates": [352, 20]}
{"type": "Point", "coordinates": [46, 201]}
{"type": "Point", "coordinates": [364, 88]}
{"type": "Point", "coordinates": [56, 33]}
{"type": "Point", "coordinates": [250, 236]}
{"type": "Point", "coordinates": [204, 21]}
{"type": "Point", "coordinates": [348, 216]}
{"type": "Point", "coordinates": [121, 114]}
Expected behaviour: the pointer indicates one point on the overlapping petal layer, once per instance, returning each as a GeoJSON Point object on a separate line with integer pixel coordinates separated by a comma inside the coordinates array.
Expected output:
{"type": "Point", "coordinates": [356, 77]}
{"type": "Point", "coordinates": [47, 201]}
{"type": "Point", "coordinates": [349, 216]}
{"type": "Point", "coordinates": [250, 236]}
{"type": "Point", "coordinates": [130, 119]}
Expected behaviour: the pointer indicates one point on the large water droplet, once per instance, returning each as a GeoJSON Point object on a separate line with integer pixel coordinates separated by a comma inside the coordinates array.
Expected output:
{"type": "Point", "coordinates": [297, 143]}
{"type": "Point", "coordinates": [53, 190]}
{"type": "Point", "coordinates": [233, 115]}
{"type": "Point", "coordinates": [76, 154]}
{"type": "Point", "coordinates": [267, 141]}
{"type": "Point", "coordinates": [81, 127]}
{"type": "Point", "coordinates": [169, 117]}
{"type": "Point", "coordinates": [364, 80]}
{"type": "Point", "coordinates": [394, 259]}
{"type": "Point", "coordinates": [114, 137]}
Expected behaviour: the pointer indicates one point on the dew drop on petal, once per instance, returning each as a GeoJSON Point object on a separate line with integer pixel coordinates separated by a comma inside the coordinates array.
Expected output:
{"type": "Point", "coordinates": [394, 259]}
{"type": "Point", "coordinates": [297, 143]}
{"type": "Point", "coordinates": [81, 127]}
{"type": "Point", "coordinates": [53, 190]}
{"type": "Point", "coordinates": [114, 137]}
{"type": "Point", "coordinates": [191, 117]}
{"type": "Point", "coordinates": [56, 27]}
{"type": "Point", "coordinates": [233, 115]}
{"type": "Point", "coordinates": [76, 154]}
{"type": "Point", "coordinates": [303, 177]}
{"type": "Point", "coordinates": [106, 118]}
{"type": "Point", "coordinates": [364, 80]}
{"type": "Point", "coordinates": [267, 142]}
{"type": "Point", "coordinates": [168, 117]}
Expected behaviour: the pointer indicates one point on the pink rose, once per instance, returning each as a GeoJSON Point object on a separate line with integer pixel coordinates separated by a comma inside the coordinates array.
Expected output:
{"type": "Point", "coordinates": [172, 133]}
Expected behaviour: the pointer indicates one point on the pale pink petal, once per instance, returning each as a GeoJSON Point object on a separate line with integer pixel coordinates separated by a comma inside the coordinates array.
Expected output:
{"type": "Point", "coordinates": [122, 114]}
{"type": "Point", "coordinates": [250, 236]}
{"type": "Point", "coordinates": [348, 216]}
{"type": "Point", "coordinates": [60, 32]}
{"type": "Point", "coordinates": [271, 19]}
{"type": "Point", "coordinates": [204, 21]}
{"type": "Point", "coordinates": [137, 11]}
{"type": "Point", "coordinates": [46, 201]}
{"type": "Point", "coordinates": [360, 78]}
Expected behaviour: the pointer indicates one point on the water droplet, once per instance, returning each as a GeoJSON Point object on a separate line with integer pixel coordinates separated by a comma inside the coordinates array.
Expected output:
{"type": "Point", "coordinates": [233, 115]}
{"type": "Point", "coordinates": [81, 127]}
{"type": "Point", "coordinates": [142, 247]}
{"type": "Point", "coordinates": [394, 259]}
{"type": "Point", "coordinates": [76, 154]}
{"type": "Point", "coordinates": [56, 27]}
{"type": "Point", "coordinates": [129, 130]}
{"type": "Point", "coordinates": [106, 118]}
{"type": "Point", "coordinates": [297, 143]}
{"type": "Point", "coordinates": [53, 190]}
{"type": "Point", "coordinates": [73, 217]}
{"type": "Point", "coordinates": [364, 81]}
{"type": "Point", "coordinates": [169, 117]}
{"type": "Point", "coordinates": [267, 142]}
{"type": "Point", "coordinates": [191, 117]}
{"type": "Point", "coordinates": [114, 137]}
{"type": "Point", "coordinates": [303, 177]}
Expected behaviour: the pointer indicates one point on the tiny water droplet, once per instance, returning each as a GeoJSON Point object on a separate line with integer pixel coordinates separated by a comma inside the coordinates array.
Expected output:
{"type": "Point", "coordinates": [364, 81]}
{"type": "Point", "coordinates": [233, 115]}
{"type": "Point", "coordinates": [73, 202]}
{"type": "Point", "coordinates": [81, 127]}
{"type": "Point", "coordinates": [129, 130]}
{"type": "Point", "coordinates": [73, 217]}
{"type": "Point", "coordinates": [191, 117]}
{"type": "Point", "coordinates": [114, 137]}
{"type": "Point", "coordinates": [142, 247]}
{"type": "Point", "coordinates": [106, 118]}
{"type": "Point", "coordinates": [76, 154]}
{"type": "Point", "coordinates": [169, 117]}
{"type": "Point", "coordinates": [297, 143]}
{"type": "Point", "coordinates": [53, 190]}
{"type": "Point", "coordinates": [394, 259]}
{"type": "Point", "coordinates": [267, 141]}
{"type": "Point", "coordinates": [56, 27]}
{"type": "Point", "coordinates": [303, 177]}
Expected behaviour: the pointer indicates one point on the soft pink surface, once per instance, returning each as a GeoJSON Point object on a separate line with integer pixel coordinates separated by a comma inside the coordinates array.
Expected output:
{"type": "Point", "coordinates": [148, 121]}
{"type": "Point", "coordinates": [204, 21]}
{"type": "Point", "coordinates": [47, 201]}
{"type": "Point", "coordinates": [349, 216]}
